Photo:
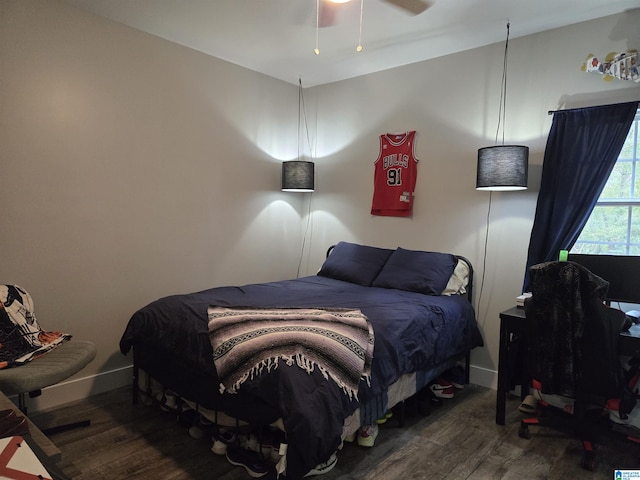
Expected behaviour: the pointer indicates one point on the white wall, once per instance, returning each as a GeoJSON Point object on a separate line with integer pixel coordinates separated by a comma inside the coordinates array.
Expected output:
{"type": "Point", "coordinates": [134, 168]}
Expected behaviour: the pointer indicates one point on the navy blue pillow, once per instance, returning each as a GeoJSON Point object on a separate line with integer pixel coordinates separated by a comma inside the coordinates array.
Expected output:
{"type": "Point", "coordinates": [355, 263]}
{"type": "Point", "coordinates": [416, 271]}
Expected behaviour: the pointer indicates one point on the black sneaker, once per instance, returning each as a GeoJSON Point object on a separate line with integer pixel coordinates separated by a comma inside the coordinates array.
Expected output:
{"type": "Point", "coordinates": [188, 417]}
{"type": "Point", "coordinates": [252, 462]}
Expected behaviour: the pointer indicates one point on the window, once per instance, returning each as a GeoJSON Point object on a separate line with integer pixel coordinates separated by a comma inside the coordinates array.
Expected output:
{"type": "Point", "coordinates": [614, 225]}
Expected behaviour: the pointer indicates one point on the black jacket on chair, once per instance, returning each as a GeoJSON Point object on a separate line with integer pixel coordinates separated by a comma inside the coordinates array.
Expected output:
{"type": "Point", "coordinates": [572, 335]}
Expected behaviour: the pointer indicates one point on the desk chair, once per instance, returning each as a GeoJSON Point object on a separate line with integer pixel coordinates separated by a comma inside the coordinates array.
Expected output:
{"type": "Point", "coordinates": [51, 368]}
{"type": "Point", "coordinates": [572, 355]}
{"type": "Point", "coordinates": [22, 337]}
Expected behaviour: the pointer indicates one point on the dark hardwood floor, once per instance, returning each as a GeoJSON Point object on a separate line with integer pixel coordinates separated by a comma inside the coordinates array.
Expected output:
{"type": "Point", "coordinates": [455, 440]}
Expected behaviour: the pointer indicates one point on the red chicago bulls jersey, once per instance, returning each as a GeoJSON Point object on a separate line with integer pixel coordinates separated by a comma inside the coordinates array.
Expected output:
{"type": "Point", "coordinates": [394, 178]}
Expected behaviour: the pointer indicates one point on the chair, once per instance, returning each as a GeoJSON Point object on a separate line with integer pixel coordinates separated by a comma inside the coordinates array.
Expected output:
{"type": "Point", "coordinates": [46, 369]}
{"type": "Point", "coordinates": [51, 368]}
{"type": "Point", "coordinates": [571, 353]}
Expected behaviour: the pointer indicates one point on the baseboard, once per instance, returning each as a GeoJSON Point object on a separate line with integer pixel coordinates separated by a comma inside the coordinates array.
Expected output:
{"type": "Point", "coordinates": [483, 377]}
{"type": "Point", "coordinates": [78, 389]}
{"type": "Point", "coordinates": [81, 388]}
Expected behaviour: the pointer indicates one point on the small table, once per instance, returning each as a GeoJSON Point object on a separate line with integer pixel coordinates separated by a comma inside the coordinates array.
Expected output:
{"type": "Point", "coordinates": [629, 342]}
{"type": "Point", "coordinates": [42, 442]}
{"type": "Point", "coordinates": [511, 322]}
{"type": "Point", "coordinates": [48, 454]}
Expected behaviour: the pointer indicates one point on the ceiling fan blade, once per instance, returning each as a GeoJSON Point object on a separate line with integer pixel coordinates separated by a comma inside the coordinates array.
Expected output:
{"type": "Point", "coordinates": [414, 7]}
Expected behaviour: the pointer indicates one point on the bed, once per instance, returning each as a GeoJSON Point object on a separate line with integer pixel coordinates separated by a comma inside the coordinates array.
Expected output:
{"type": "Point", "coordinates": [417, 308]}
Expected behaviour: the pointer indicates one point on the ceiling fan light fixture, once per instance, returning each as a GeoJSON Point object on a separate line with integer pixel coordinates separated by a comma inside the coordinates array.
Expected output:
{"type": "Point", "coordinates": [325, 17]}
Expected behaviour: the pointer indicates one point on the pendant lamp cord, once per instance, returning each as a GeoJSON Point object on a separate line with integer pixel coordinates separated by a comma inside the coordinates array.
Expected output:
{"type": "Point", "coordinates": [299, 105]}
{"type": "Point", "coordinates": [503, 91]}
{"type": "Point", "coordinates": [484, 260]}
{"type": "Point", "coordinates": [359, 47]}
{"type": "Point", "coordinates": [317, 49]}
{"type": "Point", "coordinates": [302, 108]}
{"type": "Point", "coordinates": [501, 121]}
{"type": "Point", "coordinates": [302, 113]}
{"type": "Point", "coordinates": [304, 236]}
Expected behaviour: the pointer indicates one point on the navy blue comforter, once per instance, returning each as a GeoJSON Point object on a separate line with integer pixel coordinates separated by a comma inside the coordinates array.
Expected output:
{"type": "Point", "coordinates": [412, 332]}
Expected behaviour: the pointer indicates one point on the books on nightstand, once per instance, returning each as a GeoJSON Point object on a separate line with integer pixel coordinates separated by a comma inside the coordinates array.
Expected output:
{"type": "Point", "coordinates": [521, 298]}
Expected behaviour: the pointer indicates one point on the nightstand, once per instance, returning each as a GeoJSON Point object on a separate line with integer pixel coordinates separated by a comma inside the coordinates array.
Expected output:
{"type": "Point", "coordinates": [511, 322]}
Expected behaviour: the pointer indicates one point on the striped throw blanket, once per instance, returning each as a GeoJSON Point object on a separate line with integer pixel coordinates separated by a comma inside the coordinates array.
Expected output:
{"type": "Point", "coordinates": [248, 342]}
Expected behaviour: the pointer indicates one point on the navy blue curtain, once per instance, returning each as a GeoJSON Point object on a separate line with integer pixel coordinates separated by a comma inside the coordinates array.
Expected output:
{"type": "Point", "coordinates": [581, 151]}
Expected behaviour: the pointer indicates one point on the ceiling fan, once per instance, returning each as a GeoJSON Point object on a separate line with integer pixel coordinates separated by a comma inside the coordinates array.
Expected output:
{"type": "Point", "coordinates": [328, 9]}
{"type": "Point", "coordinates": [414, 7]}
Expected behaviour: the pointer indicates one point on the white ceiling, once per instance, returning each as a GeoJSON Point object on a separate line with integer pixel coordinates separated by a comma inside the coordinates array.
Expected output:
{"type": "Point", "coordinates": [278, 37]}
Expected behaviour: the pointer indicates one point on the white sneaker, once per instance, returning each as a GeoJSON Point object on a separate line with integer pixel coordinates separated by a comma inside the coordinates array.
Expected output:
{"type": "Point", "coordinates": [367, 435]}
{"type": "Point", "coordinates": [351, 437]}
{"type": "Point", "coordinates": [442, 389]}
{"type": "Point", "coordinates": [167, 400]}
{"type": "Point", "coordinates": [221, 440]}
{"type": "Point", "coordinates": [323, 467]}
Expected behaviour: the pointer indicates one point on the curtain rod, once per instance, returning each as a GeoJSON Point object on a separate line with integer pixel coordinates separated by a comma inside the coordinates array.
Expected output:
{"type": "Point", "coordinates": [551, 112]}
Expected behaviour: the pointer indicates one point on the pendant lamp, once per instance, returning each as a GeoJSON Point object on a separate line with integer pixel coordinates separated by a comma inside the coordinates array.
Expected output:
{"type": "Point", "coordinates": [502, 167]}
{"type": "Point", "coordinates": [298, 175]}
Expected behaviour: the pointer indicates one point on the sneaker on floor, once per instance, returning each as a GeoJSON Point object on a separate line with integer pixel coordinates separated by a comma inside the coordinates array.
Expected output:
{"type": "Point", "coordinates": [187, 416]}
{"type": "Point", "coordinates": [384, 418]}
{"type": "Point", "coordinates": [441, 388]}
{"type": "Point", "coordinates": [367, 435]}
{"type": "Point", "coordinates": [323, 467]}
{"type": "Point", "coordinates": [351, 437]}
{"type": "Point", "coordinates": [455, 376]}
{"type": "Point", "coordinates": [196, 432]}
{"type": "Point", "coordinates": [167, 400]}
{"type": "Point", "coordinates": [222, 438]}
{"type": "Point", "coordinates": [202, 428]}
{"type": "Point", "coordinates": [252, 462]}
